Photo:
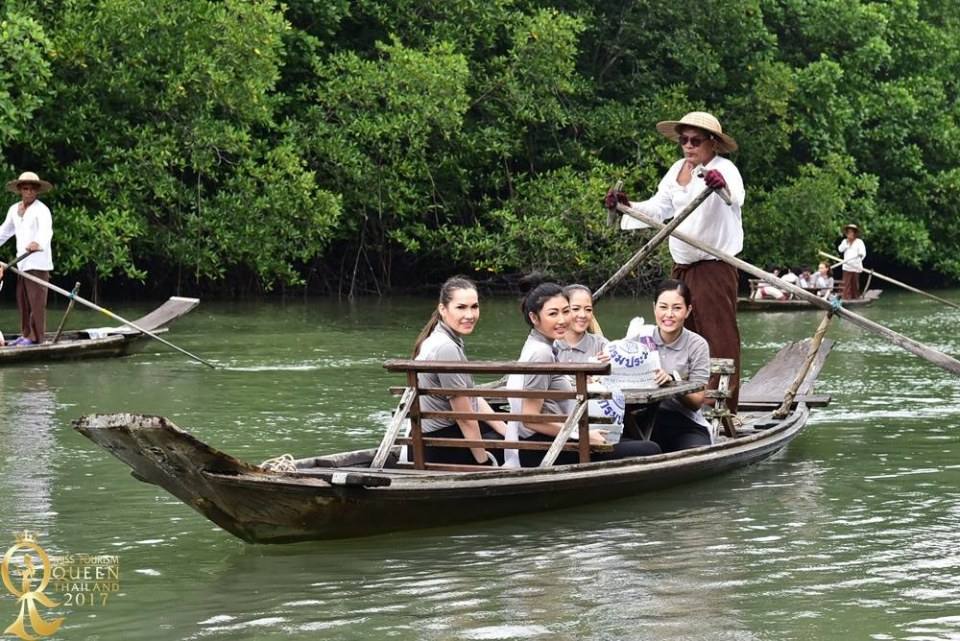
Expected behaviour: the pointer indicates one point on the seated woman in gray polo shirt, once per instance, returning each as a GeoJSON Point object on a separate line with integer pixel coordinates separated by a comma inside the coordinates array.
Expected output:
{"type": "Point", "coordinates": [547, 311]}
{"type": "Point", "coordinates": [680, 423]}
{"type": "Point", "coordinates": [579, 344]}
{"type": "Point", "coordinates": [441, 339]}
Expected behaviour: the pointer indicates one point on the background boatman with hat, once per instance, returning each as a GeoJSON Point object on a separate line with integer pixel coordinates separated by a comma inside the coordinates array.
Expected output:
{"type": "Point", "coordinates": [854, 251]}
{"type": "Point", "coordinates": [712, 283]}
{"type": "Point", "coordinates": [30, 221]}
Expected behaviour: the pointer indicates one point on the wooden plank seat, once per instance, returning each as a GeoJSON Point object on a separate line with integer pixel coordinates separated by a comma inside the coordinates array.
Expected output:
{"type": "Point", "coordinates": [409, 407]}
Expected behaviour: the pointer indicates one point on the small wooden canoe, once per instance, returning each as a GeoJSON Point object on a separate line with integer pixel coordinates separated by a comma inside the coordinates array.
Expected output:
{"type": "Point", "coordinates": [339, 495]}
{"type": "Point", "coordinates": [795, 304]}
{"type": "Point", "coordinates": [98, 342]}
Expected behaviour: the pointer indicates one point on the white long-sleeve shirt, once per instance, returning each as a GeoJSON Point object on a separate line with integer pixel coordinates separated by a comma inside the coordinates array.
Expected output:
{"type": "Point", "coordinates": [853, 254]}
{"type": "Point", "coordinates": [36, 225]}
{"type": "Point", "coordinates": [714, 222]}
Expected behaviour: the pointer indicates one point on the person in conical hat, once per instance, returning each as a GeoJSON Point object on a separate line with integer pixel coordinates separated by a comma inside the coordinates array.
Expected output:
{"type": "Point", "coordinates": [30, 221]}
{"type": "Point", "coordinates": [854, 251]}
{"type": "Point", "coordinates": [712, 283]}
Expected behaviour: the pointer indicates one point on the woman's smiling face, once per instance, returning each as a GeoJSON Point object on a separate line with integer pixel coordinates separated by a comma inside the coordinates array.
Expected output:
{"type": "Point", "coordinates": [462, 312]}
{"type": "Point", "coordinates": [670, 310]}
{"type": "Point", "coordinates": [581, 311]}
{"type": "Point", "coordinates": [554, 317]}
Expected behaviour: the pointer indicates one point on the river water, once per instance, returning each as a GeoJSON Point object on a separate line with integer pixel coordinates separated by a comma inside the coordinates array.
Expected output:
{"type": "Point", "coordinates": [852, 532]}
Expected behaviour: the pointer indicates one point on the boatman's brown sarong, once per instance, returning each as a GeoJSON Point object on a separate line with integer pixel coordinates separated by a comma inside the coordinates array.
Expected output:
{"type": "Point", "coordinates": [713, 291]}
{"type": "Point", "coordinates": [851, 286]}
{"type": "Point", "coordinates": [32, 301]}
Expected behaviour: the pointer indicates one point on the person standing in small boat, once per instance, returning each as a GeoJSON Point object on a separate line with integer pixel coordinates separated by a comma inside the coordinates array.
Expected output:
{"type": "Point", "coordinates": [30, 221]}
{"type": "Point", "coordinates": [441, 339]}
{"type": "Point", "coordinates": [579, 344]}
{"type": "Point", "coordinates": [680, 423]}
{"type": "Point", "coordinates": [854, 251]}
{"type": "Point", "coordinates": [546, 310]}
{"type": "Point", "coordinates": [712, 282]}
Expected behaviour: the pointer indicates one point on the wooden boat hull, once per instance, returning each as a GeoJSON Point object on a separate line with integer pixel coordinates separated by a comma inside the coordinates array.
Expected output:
{"type": "Point", "coordinates": [102, 342]}
{"type": "Point", "coordinates": [259, 506]}
{"type": "Point", "coordinates": [795, 304]}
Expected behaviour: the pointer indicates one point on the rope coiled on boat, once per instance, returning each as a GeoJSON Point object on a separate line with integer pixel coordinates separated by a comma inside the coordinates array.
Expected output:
{"type": "Point", "coordinates": [282, 463]}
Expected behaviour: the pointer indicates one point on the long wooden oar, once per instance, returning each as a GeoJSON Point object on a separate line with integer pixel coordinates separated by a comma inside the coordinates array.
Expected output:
{"type": "Point", "coordinates": [896, 282]}
{"type": "Point", "coordinates": [653, 243]}
{"type": "Point", "coordinates": [63, 321]}
{"type": "Point", "coordinates": [106, 312]}
{"type": "Point", "coordinates": [937, 358]}
{"type": "Point", "coordinates": [14, 262]}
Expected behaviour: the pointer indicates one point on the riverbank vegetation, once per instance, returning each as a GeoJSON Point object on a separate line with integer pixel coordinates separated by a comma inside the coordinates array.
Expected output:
{"type": "Point", "coordinates": [360, 147]}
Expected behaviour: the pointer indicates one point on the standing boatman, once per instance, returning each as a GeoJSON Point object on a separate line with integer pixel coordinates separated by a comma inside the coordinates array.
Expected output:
{"type": "Point", "coordinates": [854, 251]}
{"type": "Point", "coordinates": [30, 221]}
{"type": "Point", "coordinates": [713, 283]}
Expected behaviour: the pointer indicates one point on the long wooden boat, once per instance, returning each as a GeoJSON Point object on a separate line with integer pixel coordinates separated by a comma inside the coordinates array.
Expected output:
{"type": "Point", "coordinates": [796, 304]}
{"type": "Point", "coordinates": [98, 342]}
{"type": "Point", "coordinates": [339, 495]}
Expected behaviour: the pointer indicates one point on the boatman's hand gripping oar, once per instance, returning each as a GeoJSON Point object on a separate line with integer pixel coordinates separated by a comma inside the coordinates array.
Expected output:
{"type": "Point", "coordinates": [616, 199]}
{"type": "Point", "coordinates": [11, 264]}
{"type": "Point", "coordinates": [104, 311]}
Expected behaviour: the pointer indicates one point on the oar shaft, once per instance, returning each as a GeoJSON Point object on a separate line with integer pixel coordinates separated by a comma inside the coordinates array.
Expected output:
{"type": "Point", "coordinates": [877, 274]}
{"type": "Point", "coordinates": [66, 314]}
{"type": "Point", "coordinates": [652, 244]}
{"type": "Point", "coordinates": [107, 312]}
{"type": "Point", "coordinates": [937, 358]}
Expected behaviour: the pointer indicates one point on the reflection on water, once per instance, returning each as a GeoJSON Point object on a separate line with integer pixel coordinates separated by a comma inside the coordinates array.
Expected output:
{"type": "Point", "coordinates": [849, 533]}
{"type": "Point", "coordinates": [28, 451]}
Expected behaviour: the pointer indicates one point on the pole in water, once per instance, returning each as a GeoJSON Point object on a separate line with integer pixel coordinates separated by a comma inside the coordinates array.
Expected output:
{"type": "Point", "coordinates": [108, 313]}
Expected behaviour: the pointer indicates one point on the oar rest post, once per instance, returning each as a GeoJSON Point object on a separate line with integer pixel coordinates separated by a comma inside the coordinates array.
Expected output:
{"type": "Point", "coordinates": [417, 441]}
{"type": "Point", "coordinates": [719, 414]}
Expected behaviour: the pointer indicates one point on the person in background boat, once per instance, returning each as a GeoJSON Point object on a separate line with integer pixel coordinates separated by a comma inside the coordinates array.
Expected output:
{"type": "Point", "coordinates": [30, 221]}
{"type": "Point", "coordinates": [713, 283]}
{"type": "Point", "coordinates": [823, 281]}
{"type": "Point", "coordinates": [546, 310]}
{"type": "Point", "coordinates": [679, 423]}
{"type": "Point", "coordinates": [441, 339]}
{"type": "Point", "coordinates": [580, 345]}
{"type": "Point", "coordinates": [806, 278]}
{"type": "Point", "coordinates": [854, 251]}
{"type": "Point", "coordinates": [766, 291]}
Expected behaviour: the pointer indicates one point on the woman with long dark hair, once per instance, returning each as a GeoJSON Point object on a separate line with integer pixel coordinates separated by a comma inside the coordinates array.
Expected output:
{"type": "Point", "coordinates": [441, 339]}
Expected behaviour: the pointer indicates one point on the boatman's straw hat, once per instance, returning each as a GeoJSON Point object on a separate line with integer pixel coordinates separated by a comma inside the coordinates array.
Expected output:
{"type": "Point", "coordinates": [851, 226]}
{"type": "Point", "coordinates": [28, 177]}
{"type": "Point", "coordinates": [700, 120]}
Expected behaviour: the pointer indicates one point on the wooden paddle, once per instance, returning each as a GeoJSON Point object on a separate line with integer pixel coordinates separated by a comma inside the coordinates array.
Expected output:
{"type": "Point", "coordinates": [895, 282]}
{"type": "Point", "coordinates": [14, 262]}
{"type": "Point", "coordinates": [104, 311]}
{"type": "Point", "coordinates": [654, 242]}
{"type": "Point", "coordinates": [63, 321]}
{"type": "Point", "coordinates": [928, 353]}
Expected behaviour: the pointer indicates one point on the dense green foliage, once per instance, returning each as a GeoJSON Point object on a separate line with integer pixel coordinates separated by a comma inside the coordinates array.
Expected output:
{"type": "Point", "coordinates": [372, 144]}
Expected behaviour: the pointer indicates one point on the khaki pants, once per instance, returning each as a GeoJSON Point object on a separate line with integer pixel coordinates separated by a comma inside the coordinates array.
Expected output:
{"type": "Point", "coordinates": [713, 291]}
{"type": "Point", "coordinates": [32, 301]}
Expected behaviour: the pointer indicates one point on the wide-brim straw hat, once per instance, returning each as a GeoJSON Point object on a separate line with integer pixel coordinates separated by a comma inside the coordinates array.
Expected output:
{"type": "Point", "coordinates": [851, 226]}
{"type": "Point", "coordinates": [28, 177]}
{"type": "Point", "coordinates": [700, 120]}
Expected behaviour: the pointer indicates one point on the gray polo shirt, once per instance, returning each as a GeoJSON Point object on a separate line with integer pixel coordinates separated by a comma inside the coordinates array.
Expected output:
{"type": "Point", "coordinates": [588, 347]}
{"type": "Point", "coordinates": [689, 356]}
{"type": "Point", "coordinates": [539, 349]}
{"type": "Point", "coordinates": [443, 344]}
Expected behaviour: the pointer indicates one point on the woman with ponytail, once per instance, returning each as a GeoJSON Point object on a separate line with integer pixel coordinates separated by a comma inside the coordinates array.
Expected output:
{"type": "Point", "coordinates": [441, 339]}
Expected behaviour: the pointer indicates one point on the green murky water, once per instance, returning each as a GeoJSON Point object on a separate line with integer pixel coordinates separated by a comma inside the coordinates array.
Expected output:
{"type": "Point", "coordinates": [853, 532]}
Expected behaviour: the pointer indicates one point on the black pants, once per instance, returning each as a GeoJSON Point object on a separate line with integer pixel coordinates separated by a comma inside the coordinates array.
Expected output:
{"type": "Point", "coordinates": [625, 448]}
{"type": "Point", "coordinates": [673, 432]}
{"type": "Point", "coordinates": [460, 455]}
